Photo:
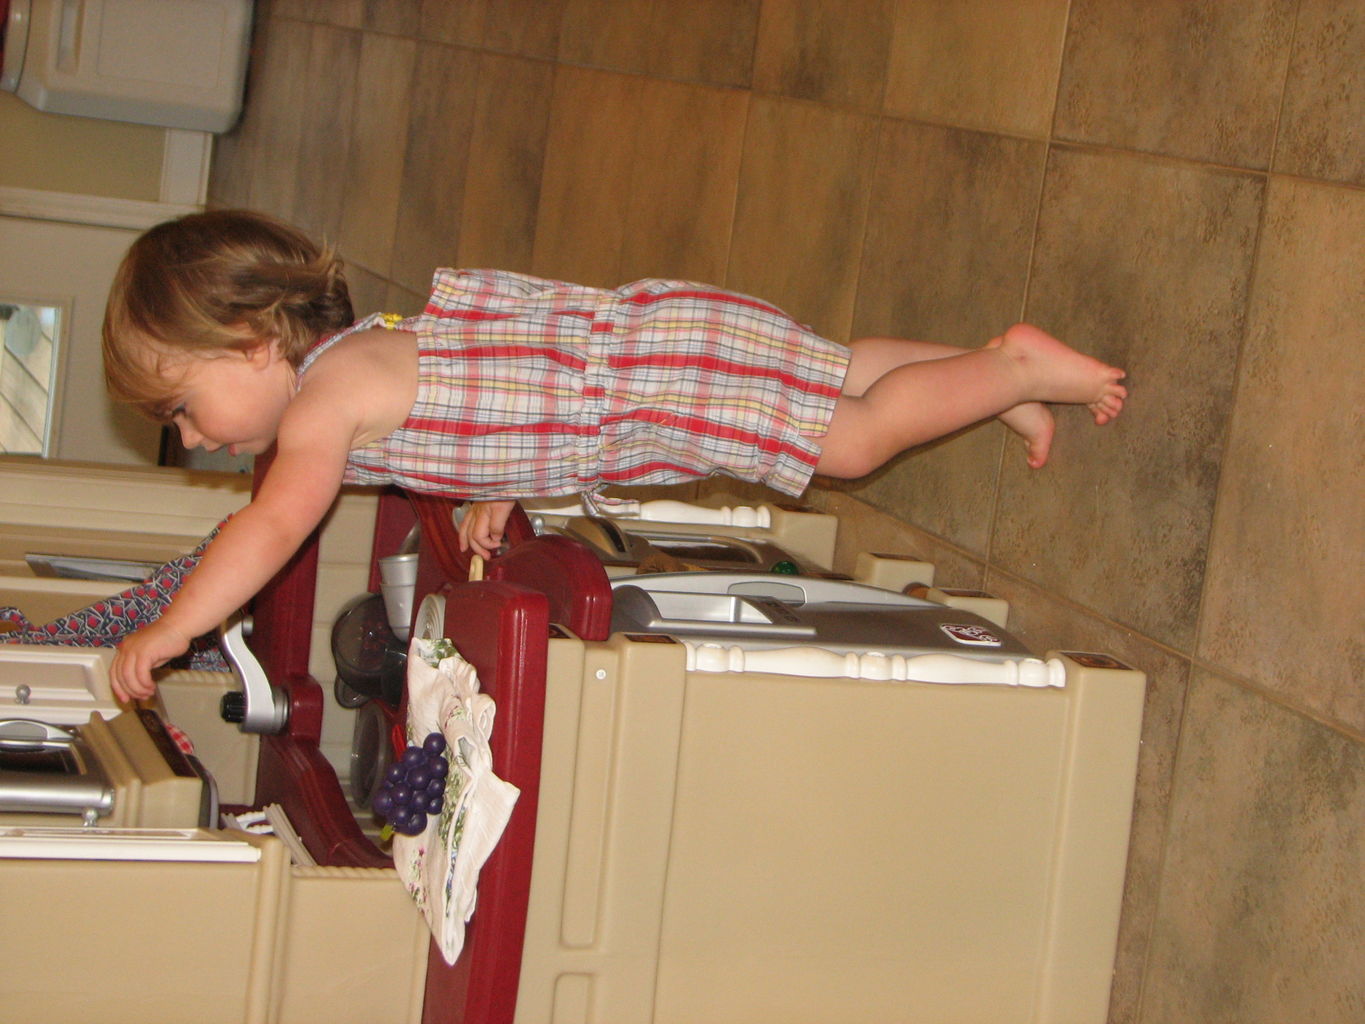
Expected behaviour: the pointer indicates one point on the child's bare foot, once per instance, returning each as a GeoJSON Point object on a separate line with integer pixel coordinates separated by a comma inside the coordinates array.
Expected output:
{"type": "Point", "coordinates": [1034, 423]}
{"type": "Point", "coordinates": [1056, 372]}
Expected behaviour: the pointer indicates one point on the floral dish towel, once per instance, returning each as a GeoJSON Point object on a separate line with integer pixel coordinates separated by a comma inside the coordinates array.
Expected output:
{"type": "Point", "coordinates": [440, 867]}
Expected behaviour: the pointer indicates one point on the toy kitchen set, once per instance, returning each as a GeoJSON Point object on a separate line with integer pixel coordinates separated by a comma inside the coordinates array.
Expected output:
{"type": "Point", "coordinates": [749, 788]}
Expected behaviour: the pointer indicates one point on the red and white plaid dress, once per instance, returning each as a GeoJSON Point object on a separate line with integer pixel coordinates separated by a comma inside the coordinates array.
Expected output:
{"type": "Point", "coordinates": [536, 388]}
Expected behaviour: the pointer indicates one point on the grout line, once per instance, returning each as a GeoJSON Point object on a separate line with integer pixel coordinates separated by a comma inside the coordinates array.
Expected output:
{"type": "Point", "coordinates": [1228, 432]}
{"type": "Point", "coordinates": [993, 519]}
{"type": "Point", "coordinates": [1057, 85]}
{"type": "Point", "coordinates": [1185, 657]}
{"type": "Point", "coordinates": [739, 184]}
{"type": "Point", "coordinates": [878, 151]}
{"type": "Point", "coordinates": [1192, 661]}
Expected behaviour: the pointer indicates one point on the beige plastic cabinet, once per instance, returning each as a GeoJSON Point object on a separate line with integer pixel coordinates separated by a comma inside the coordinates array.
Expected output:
{"type": "Point", "coordinates": [750, 848]}
{"type": "Point", "coordinates": [132, 926]}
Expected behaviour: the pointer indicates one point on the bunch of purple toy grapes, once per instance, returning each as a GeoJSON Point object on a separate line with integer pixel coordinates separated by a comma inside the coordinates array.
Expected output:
{"type": "Point", "coordinates": [414, 787]}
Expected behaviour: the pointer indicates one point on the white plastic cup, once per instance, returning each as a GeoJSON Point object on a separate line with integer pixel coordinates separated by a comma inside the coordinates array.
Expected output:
{"type": "Point", "coordinates": [397, 583]}
{"type": "Point", "coordinates": [398, 569]}
{"type": "Point", "coordinates": [398, 607]}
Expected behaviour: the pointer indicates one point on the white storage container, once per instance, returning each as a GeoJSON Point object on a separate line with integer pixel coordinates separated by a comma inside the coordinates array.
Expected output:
{"type": "Point", "coordinates": [172, 63]}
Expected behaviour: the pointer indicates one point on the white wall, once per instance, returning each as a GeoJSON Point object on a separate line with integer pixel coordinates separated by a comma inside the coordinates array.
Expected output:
{"type": "Point", "coordinates": [71, 265]}
{"type": "Point", "coordinates": [79, 155]}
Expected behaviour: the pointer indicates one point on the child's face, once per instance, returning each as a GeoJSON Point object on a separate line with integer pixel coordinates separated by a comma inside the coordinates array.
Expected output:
{"type": "Point", "coordinates": [233, 399]}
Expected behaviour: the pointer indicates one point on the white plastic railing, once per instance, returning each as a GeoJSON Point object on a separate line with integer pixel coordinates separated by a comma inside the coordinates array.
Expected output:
{"type": "Point", "coordinates": [875, 665]}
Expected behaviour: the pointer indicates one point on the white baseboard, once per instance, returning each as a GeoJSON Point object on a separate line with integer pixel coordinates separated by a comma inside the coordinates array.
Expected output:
{"type": "Point", "coordinates": [97, 211]}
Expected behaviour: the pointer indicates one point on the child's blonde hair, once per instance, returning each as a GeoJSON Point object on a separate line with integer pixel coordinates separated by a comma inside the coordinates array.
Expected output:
{"type": "Point", "coordinates": [223, 279]}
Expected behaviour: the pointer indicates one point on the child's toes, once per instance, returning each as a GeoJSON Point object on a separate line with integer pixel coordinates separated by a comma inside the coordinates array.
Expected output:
{"type": "Point", "coordinates": [1107, 408]}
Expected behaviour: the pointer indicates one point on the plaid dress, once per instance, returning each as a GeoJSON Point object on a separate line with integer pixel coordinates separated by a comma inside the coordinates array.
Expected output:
{"type": "Point", "coordinates": [535, 388]}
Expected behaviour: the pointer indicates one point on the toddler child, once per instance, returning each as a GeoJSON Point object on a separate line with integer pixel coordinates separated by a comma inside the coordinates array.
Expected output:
{"type": "Point", "coordinates": [238, 329]}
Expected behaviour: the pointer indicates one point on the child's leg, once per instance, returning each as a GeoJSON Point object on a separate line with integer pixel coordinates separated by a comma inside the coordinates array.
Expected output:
{"type": "Point", "coordinates": [923, 399]}
{"type": "Point", "coordinates": [873, 358]}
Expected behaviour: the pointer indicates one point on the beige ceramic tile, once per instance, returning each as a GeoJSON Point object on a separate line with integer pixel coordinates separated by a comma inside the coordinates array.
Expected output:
{"type": "Point", "coordinates": [1046, 623]}
{"type": "Point", "coordinates": [1196, 78]}
{"type": "Point", "coordinates": [946, 260]}
{"type": "Point", "coordinates": [610, 34]}
{"type": "Point", "coordinates": [679, 211]}
{"type": "Point", "coordinates": [404, 302]}
{"type": "Point", "coordinates": [947, 486]}
{"type": "Point", "coordinates": [461, 23]}
{"type": "Point", "coordinates": [278, 115]}
{"type": "Point", "coordinates": [949, 230]}
{"type": "Point", "coordinates": [1283, 603]}
{"type": "Point", "coordinates": [1262, 914]}
{"type": "Point", "coordinates": [304, 89]}
{"type": "Point", "coordinates": [834, 51]}
{"type": "Point", "coordinates": [802, 208]}
{"type": "Point", "coordinates": [234, 155]}
{"type": "Point", "coordinates": [374, 170]}
{"type": "Point", "coordinates": [708, 41]}
{"type": "Point", "coordinates": [979, 63]}
{"type": "Point", "coordinates": [864, 528]}
{"type": "Point", "coordinates": [439, 129]}
{"type": "Point", "coordinates": [655, 200]}
{"type": "Point", "coordinates": [230, 170]}
{"type": "Point", "coordinates": [399, 17]}
{"type": "Point", "coordinates": [322, 147]}
{"type": "Point", "coordinates": [588, 159]}
{"type": "Point", "coordinates": [502, 185]}
{"type": "Point", "coordinates": [526, 27]}
{"type": "Point", "coordinates": [345, 13]}
{"type": "Point", "coordinates": [1324, 101]}
{"type": "Point", "coordinates": [1145, 264]}
{"type": "Point", "coordinates": [369, 292]}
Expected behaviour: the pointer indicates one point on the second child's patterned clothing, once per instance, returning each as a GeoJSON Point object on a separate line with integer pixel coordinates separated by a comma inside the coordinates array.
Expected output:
{"type": "Point", "coordinates": [536, 388]}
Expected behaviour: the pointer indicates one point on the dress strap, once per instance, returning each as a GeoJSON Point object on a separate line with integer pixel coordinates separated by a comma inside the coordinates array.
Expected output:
{"type": "Point", "coordinates": [385, 320]}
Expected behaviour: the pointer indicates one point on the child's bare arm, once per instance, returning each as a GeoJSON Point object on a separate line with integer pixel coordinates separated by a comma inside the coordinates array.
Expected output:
{"type": "Point", "coordinates": [250, 549]}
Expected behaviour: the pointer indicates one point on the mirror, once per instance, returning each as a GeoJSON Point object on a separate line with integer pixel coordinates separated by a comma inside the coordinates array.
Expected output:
{"type": "Point", "coordinates": [29, 341]}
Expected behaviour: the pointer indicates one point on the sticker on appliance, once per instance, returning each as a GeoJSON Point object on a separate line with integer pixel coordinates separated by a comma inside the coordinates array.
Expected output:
{"type": "Point", "coordinates": [973, 636]}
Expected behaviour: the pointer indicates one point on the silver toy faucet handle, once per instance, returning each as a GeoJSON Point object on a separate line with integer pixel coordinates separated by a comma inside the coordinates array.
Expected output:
{"type": "Point", "coordinates": [258, 707]}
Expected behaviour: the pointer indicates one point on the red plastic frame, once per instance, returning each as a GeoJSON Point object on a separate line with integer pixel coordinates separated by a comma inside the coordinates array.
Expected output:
{"type": "Point", "coordinates": [501, 625]}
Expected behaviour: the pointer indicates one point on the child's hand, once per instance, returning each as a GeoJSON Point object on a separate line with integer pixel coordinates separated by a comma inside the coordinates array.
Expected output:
{"type": "Point", "coordinates": [148, 648]}
{"type": "Point", "coordinates": [482, 526]}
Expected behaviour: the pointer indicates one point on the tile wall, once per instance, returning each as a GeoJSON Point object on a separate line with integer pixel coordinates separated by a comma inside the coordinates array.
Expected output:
{"type": "Point", "coordinates": [1177, 186]}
